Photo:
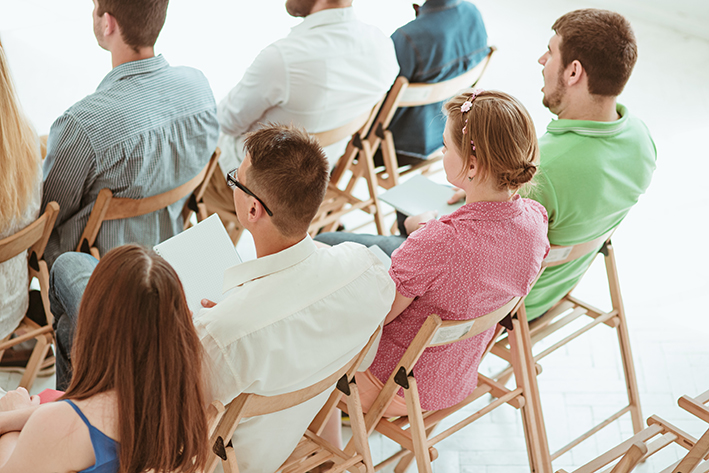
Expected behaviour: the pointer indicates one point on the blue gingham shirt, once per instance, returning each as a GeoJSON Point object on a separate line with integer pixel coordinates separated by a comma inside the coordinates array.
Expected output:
{"type": "Point", "coordinates": [147, 129]}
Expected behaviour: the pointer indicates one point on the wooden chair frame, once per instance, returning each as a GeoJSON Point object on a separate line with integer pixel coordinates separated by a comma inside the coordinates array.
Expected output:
{"type": "Point", "coordinates": [416, 440]}
{"type": "Point", "coordinates": [415, 95]}
{"type": "Point", "coordinates": [654, 438]}
{"type": "Point", "coordinates": [33, 238]}
{"type": "Point", "coordinates": [358, 161]}
{"type": "Point", "coordinates": [312, 450]}
{"type": "Point", "coordinates": [570, 309]}
{"type": "Point", "coordinates": [108, 207]}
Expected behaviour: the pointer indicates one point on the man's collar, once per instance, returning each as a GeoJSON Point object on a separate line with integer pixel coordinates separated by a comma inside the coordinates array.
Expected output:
{"type": "Point", "coordinates": [438, 5]}
{"type": "Point", "coordinates": [589, 127]}
{"type": "Point", "coordinates": [260, 267]}
{"type": "Point", "coordinates": [132, 68]}
{"type": "Point", "coordinates": [324, 17]}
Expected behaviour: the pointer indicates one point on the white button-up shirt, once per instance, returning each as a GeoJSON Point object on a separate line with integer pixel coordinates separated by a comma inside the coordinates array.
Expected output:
{"type": "Point", "coordinates": [292, 319]}
{"type": "Point", "coordinates": [328, 71]}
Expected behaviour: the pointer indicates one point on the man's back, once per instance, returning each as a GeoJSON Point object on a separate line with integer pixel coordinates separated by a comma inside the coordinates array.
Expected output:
{"type": "Point", "coordinates": [293, 318]}
{"type": "Point", "coordinates": [148, 128]}
{"type": "Point", "coordinates": [329, 70]}
{"type": "Point", "coordinates": [446, 39]}
{"type": "Point", "coordinates": [590, 175]}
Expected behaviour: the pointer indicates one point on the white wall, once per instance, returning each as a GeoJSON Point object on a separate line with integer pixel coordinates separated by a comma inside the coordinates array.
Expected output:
{"type": "Point", "coordinates": [690, 17]}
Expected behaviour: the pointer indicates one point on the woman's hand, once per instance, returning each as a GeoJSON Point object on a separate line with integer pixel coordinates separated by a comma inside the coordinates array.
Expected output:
{"type": "Point", "coordinates": [18, 399]}
{"type": "Point", "coordinates": [414, 222]}
{"type": "Point", "coordinates": [457, 197]}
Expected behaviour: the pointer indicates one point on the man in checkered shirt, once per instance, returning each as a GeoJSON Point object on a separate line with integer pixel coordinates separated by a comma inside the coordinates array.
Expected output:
{"type": "Point", "coordinates": [148, 128]}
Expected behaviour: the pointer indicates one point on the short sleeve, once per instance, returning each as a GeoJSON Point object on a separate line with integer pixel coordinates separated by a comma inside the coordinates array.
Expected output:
{"type": "Point", "coordinates": [421, 261]}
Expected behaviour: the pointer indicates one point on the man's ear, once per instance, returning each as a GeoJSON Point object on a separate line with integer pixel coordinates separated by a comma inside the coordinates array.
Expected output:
{"type": "Point", "coordinates": [256, 211]}
{"type": "Point", "coordinates": [110, 25]}
{"type": "Point", "coordinates": [573, 73]}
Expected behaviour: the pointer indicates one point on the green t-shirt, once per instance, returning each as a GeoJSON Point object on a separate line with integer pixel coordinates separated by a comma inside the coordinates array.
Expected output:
{"type": "Point", "coordinates": [590, 175]}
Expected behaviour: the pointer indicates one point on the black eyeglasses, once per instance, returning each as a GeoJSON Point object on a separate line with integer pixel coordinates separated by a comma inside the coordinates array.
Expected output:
{"type": "Point", "coordinates": [232, 181]}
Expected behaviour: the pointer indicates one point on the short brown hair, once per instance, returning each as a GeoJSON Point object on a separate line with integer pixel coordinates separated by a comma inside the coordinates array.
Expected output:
{"type": "Point", "coordinates": [506, 146]}
{"type": "Point", "coordinates": [135, 336]}
{"type": "Point", "coordinates": [604, 43]}
{"type": "Point", "coordinates": [290, 172]}
{"type": "Point", "coordinates": [140, 20]}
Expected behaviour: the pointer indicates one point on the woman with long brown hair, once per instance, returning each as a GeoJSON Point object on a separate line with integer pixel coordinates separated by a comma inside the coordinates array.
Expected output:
{"type": "Point", "coordinates": [20, 196]}
{"type": "Point", "coordinates": [136, 399]}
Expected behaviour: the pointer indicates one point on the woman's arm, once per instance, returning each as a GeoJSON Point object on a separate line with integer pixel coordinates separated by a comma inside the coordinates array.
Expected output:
{"type": "Point", "coordinates": [400, 303]}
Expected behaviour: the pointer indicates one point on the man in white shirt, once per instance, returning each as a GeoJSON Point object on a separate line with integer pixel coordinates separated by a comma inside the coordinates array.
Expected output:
{"type": "Point", "coordinates": [297, 313]}
{"type": "Point", "coordinates": [328, 71]}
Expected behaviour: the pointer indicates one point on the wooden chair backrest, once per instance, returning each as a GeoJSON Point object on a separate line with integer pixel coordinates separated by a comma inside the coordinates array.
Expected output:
{"type": "Point", "coordinates": [108, 207]}
{"type": "Point", "coordinates": [417, 94]}
{"type": "Point", "coordinates": [34, 237]}
{"type": "Point", "coordinates": [452, 331]}
{"type": "Point", "coordinates": [329, 137]}
{"type": "Point", "coordinates": [252, 405]}
{"type": "Point", "coordinates": [563, 254]}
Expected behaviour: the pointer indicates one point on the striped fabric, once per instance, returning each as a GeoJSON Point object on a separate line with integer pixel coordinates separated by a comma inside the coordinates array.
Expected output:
{"type": "Point", "coordinates": [147, 129]}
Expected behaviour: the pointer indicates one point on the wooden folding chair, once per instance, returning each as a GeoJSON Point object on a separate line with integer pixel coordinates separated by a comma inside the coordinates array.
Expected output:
{"type": "Point", "coordinates": [417, 437]}
{"type": "Point", "coordinates": [357, 161]}
{"type": "Point", "coordinates": [108, 207]}
{"type": "Point", "coordinates": [33, 238]}
{"type": "Point", "coordinates": [570, 309]}
{"type": "Point", "coordinates": [415, 95]}
{"type": "Point", "coordinates": [654, 438]}
{"type": "Point", "coordinates": [312, 450]}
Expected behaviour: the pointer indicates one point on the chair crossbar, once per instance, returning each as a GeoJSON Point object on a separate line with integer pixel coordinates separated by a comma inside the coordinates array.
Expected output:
{"type": "Point", "coordinates": [696, 405]}
{"type": "Point", "coordinates": [589, 433]}
{"type": "Point", "coordinates": [473, 417]}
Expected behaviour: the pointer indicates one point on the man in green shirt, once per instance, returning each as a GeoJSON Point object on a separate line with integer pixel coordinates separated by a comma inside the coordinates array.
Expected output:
{"type": "Point", "coordinates": [597, 158]}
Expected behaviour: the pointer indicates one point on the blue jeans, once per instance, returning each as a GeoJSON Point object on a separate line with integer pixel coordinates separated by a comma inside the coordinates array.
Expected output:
{"type": "Point", "coordinates": [387, 243]}
{"type": "Point", "coordinates": [67, 282]}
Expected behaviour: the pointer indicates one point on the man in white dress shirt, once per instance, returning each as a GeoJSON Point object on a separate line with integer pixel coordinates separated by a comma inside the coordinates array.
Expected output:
{"type": "Point", "coordinates": [297, 313]}
{"type": "Point", "coordinates": [328, 71]}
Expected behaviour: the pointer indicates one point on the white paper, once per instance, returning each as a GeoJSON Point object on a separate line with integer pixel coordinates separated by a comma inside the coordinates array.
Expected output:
{"type": "Point", "coordinates": [200, 255]}
{"type": "Point", "coordinates": [451, 334]}
{"type": "Point", "coordinates": [420, 194]}
{"type": "Point", "coordinates": [558, 254]}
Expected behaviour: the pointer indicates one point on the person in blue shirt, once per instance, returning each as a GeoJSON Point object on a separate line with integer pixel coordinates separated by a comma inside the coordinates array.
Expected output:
{"type": "Point", "coordinates": [446, 39]}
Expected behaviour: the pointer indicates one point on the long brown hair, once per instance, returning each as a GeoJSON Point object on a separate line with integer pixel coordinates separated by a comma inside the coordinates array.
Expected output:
{"type": "Point", "coordinates": [19, 152]}
{"type": "Point", "coordinates": [135, 336]}
{"type": "Point", "coordinates": [506, 147]}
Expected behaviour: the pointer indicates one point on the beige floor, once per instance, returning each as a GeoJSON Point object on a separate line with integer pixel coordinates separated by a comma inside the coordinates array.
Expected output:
{"type": "Point", "coordinates": [661, 247]}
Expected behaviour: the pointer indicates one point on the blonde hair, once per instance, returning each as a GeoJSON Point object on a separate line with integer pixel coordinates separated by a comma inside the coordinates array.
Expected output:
{"type": "Point", "coordinates": [506, 146]}
{"type": "Point", "coordinates": [19, 152]}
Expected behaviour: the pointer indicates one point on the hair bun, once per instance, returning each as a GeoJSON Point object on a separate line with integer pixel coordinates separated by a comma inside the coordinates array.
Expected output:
{"type": "Point", "coordinates": [515, 179]}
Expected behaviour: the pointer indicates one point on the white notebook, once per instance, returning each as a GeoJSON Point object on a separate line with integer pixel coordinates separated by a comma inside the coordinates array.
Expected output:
{"type": "Point", "coordinates": [200, 255]}
{"type": "Point", "coordinates": [420, 194]}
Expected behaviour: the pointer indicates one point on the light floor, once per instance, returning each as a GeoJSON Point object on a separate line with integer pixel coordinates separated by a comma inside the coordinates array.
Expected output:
{"type": "Point", "coordinates": [661, 247]}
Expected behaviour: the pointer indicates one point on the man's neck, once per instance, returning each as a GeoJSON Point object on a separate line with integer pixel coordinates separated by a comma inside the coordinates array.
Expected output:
{"type": "Point", "coordinates": [272, 242]}
{"type": "Point", "coordinates": [124, 54]}
{"type": "Point", "coordinates": [323, 5]}
{"type": "Point", "coordinates": [591, 108]}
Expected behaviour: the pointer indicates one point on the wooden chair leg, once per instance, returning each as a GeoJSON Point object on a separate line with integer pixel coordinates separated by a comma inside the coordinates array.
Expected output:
{"type": "Point", "coordinates": [371, 177]}
{"type": "Point", "coordinates": [633, 456]}
{"type": "Point", "coordinates": [35, 362]}
{"type": "Point", "coordinates": [694, 456]}
{"type": "Point", "coordinates": [359, 434]}
{"type": "Point", "coordinates": [525, 376]}
{"type": "Point", "coordinates": [624, 341]}
{"type": "Point", "coordinates": [406, 460]}
{"type": "Point", "coordinates": [418, 431]}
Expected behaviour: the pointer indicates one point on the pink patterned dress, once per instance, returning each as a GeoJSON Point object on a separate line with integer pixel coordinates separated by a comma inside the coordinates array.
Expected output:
{"type": "Point", "coordinates": [462, 266]}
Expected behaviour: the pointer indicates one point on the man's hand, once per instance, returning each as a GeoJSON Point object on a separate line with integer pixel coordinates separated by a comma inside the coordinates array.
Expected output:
{"type": "Point", "coordinates": [207, 304]}
{"type": "Point", "coordinates": [17, 399]}
{"type": "Point", "coordinates": [457, 197]}
{"type": "Point", "coordinates": [415, 222]}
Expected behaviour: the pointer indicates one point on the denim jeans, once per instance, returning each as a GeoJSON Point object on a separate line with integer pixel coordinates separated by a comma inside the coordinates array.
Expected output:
{"type": "Point", "coordinates": [67, 282]}
{"type": "Point", "coordinates": [387, 243]}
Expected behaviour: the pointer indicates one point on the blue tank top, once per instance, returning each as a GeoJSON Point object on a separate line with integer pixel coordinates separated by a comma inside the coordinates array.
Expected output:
{"type": "Point", "coordinates": [105, 448]}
